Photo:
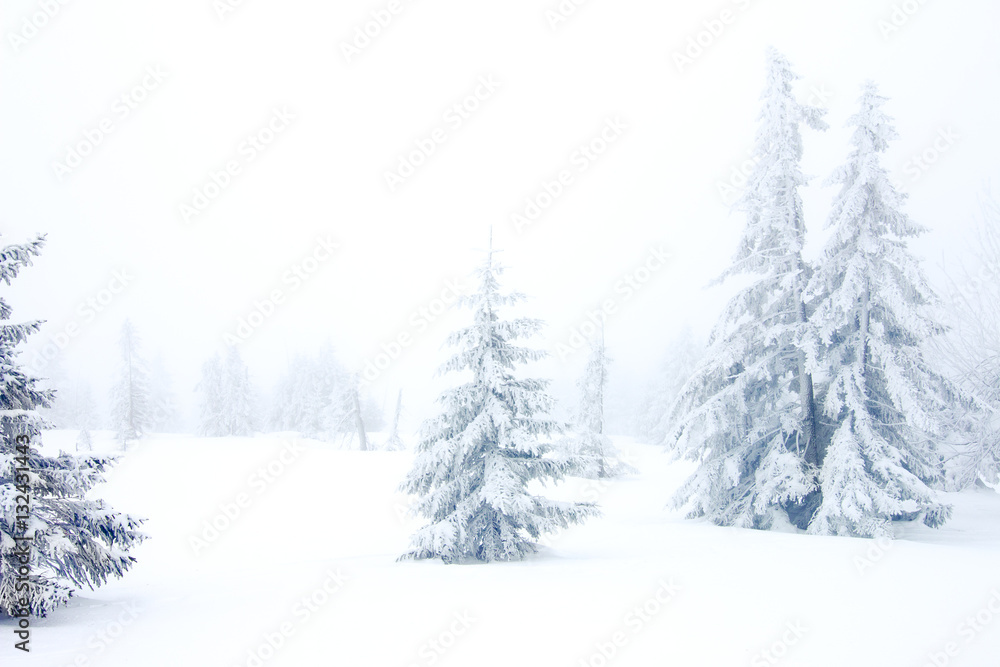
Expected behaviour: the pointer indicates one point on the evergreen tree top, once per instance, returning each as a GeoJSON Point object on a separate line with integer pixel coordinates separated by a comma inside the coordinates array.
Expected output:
{"type": "Point", "coordinates": [476, 459]}
{"type": "Point", "coordinates": [18, 392]}
{"type": "Point", "coordinates": [775, 229]}
{"type": "Point", "coordinates": [15, 257]}
{"type": "Point", "coordinates": [484, 346]}
{"type": "Point", "coordinates": [866, 184]}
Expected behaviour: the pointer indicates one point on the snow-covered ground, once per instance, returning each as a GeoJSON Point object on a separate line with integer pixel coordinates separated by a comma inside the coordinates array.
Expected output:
{"type": "Point", "coordinates": [303, 559]}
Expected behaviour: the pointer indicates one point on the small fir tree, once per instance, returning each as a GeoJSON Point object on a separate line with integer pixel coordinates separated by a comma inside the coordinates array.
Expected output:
{"type": "Point", "coordinates": [476, 459]}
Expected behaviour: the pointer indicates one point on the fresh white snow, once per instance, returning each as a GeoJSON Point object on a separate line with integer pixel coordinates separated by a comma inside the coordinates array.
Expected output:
{"type": "Point", "coordinates": [640, 584]}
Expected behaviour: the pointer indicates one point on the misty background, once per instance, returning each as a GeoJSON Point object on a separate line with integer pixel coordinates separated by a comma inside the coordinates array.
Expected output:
{"type": "Point", "coordinates": [221, 75]}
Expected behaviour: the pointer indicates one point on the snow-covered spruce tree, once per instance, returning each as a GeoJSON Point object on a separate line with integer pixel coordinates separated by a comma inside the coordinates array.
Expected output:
{"type": "Point", "coordinates": [599, 458]}
{"type": "Point", "coordinates": [475, 460]}
{"type": "Point", "coordinates": [130, 398]}
{"type": "Point", "coordinates": [322, 404]}
{"type": "Point", "coordinates": [653, 411]}
{"type": "Point", "coordinates": [971, 352]}
{"type": "Point", "coordinates": [870, 320]}
{"type": "Point", "coordinates": [71, 542]}
{"type": "Point", "coordinates": [85, 415]}
{"type": "Point", "coordinates": [226, 397]}
{"type": "Point", "coordinates": [163, 411]}
{"type": "Point", "coordinates": [394, 442]}
{"type": "Point", "coordinates": [288, 401]}
{"type": "Point", "coordinates": [315, 397]}
{"type": "Point", "coordinates": [74, 406]}
{"type": "Point", "coordinates": [84, 442]}
{"type": "Point", "coordinates": [238, 416]}
{"type": "Point", "coordinates": [209, 389]}
{"type": "Point", "coordinates": [54, 379]}
{"type": "Point", "coordinates": [357, 414]}
{"type": "Point", "coordinates": [746, 414]}
{"type": "Point", "coordinates": [371, 411]}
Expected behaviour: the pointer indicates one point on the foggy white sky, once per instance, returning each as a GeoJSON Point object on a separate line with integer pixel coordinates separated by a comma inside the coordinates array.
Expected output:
{"type": "Point", "coordinates": [323, 174]}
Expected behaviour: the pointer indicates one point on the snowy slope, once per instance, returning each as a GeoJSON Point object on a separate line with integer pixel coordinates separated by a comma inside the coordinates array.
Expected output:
{"type": "Point", "coordinates": [308, 564]}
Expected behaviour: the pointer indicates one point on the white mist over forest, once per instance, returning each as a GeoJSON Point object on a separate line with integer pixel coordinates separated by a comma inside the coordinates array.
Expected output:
{"type": "Point", "coordinates": [215, 82]}
{"type": "Point", "coordinates": [675, 325]}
